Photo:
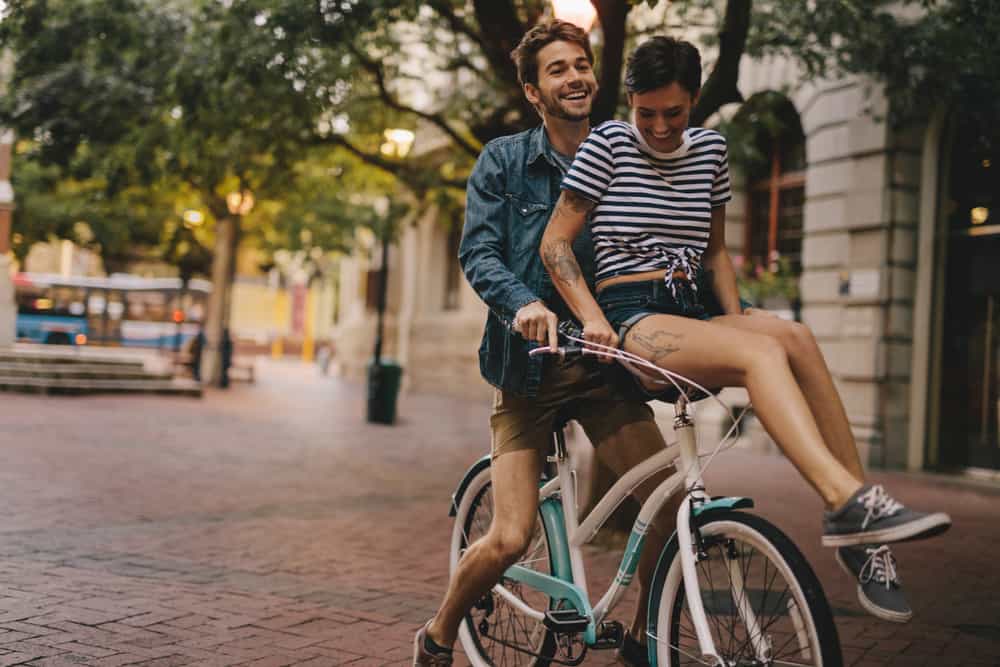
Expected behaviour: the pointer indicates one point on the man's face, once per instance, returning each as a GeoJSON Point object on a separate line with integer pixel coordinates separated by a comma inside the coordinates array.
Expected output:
{"type": "Point", "coordinates": [566, 83]}
{"type": "Point", "coordinates": [661, 115]}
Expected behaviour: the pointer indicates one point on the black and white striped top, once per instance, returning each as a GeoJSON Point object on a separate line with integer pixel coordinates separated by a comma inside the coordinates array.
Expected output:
{"type": "Point", "coordinates": [654, 210]}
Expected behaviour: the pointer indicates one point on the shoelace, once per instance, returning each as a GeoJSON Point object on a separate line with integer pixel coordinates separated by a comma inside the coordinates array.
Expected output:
{"type": "Point", "coordinates": [880, 567]}
{"type": "Point", "coordinates": [878, 503]}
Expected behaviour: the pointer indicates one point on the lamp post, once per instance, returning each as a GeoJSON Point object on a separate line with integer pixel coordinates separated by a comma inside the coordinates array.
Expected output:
{"type": "Point", "coordinates": [8, 308]}
{"type": "Point", "coordinates": [384, 377]}
{"type": "Point", "coordinates": [217, 354]}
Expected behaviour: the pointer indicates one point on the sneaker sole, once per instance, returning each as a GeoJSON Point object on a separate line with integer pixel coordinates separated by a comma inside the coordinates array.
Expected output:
{"type": "Point", "coordinates": [928, 526]}
{"type": "Point", "coordinates": [868, 605]}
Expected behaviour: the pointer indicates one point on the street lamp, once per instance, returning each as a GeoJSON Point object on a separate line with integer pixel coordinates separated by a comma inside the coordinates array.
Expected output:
{"type": "Point", "coordinates": [384, 378]}
{"type": "Point", "coordinates": [580, 13]}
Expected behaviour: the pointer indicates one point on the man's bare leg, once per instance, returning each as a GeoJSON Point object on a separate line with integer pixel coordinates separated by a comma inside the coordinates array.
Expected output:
{"type": "Point", "coordinates": [515, 501]}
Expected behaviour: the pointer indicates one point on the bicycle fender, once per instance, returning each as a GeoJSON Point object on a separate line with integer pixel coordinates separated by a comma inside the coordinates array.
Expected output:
{"type": "Point", "coordinates": [724, 503]}
{"type": "Point", "coordinates": [475, 469]}
{"type": "Point", "coordinates": [717, 504]}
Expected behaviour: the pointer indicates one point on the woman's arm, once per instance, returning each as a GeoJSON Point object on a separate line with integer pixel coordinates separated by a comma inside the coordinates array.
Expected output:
{"type": "Point", "coordinates": [566, 223]}
{"type": "Point", "coordinates": [717, 260]}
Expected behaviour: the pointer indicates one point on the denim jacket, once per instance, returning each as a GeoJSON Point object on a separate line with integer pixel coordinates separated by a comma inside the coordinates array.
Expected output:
{"type": "Point", "coordinates": [510, 196]}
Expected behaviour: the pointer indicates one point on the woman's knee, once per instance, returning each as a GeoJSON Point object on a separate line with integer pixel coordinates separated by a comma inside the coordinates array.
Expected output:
{"type": "Point", "coordinates": [765, 352]}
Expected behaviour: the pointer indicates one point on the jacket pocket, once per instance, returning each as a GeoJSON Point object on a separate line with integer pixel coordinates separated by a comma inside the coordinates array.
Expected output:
{"type": "Point", "coordinates": [528, 220]}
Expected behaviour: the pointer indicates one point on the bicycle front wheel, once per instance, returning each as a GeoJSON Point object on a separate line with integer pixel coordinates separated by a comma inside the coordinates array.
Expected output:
{"type": "Point", "coordinates": [495, 633]}
{"type": "Point", "coordinates": [763, 603]}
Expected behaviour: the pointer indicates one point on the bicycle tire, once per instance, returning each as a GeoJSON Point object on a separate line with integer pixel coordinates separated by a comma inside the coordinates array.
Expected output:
{"type": "Point", "coordinates": [472, 519]}
{"type": "Point", "coordinates": [797, 619]}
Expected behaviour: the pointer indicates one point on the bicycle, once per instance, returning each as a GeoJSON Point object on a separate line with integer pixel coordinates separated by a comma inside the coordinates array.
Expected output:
{"type": "Point", "coordinates": [730, 588]}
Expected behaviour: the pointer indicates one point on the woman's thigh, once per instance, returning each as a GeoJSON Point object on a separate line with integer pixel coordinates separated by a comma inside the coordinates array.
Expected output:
{"type": "Point", "coordinates": [705, 351]}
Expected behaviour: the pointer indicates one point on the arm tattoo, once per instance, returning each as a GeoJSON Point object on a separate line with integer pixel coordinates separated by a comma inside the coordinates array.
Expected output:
{"type": "Point", "coordinates": [575, 201]}
{"type": "Point", "coordinates": [657, 345]}
{"type": "Point", "coordinates": [559, 258]}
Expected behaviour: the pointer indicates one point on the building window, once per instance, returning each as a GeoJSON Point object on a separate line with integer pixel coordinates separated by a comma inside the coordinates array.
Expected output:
{"type": "Point", "coordinates": [768, 143]}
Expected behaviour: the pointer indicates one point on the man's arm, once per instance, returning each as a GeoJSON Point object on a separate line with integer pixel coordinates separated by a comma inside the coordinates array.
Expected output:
{"type": "Point", "coordinates": [566, 223]}
{"type": "Point", "coordinates": [481, 254]}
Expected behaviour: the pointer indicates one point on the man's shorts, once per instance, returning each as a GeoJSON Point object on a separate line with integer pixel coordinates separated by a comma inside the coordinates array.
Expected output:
{"type": "Point", "coordinates": [579, 386]}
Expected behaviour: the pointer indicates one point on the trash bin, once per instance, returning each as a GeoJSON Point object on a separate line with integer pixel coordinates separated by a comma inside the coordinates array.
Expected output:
{"type": "Point", "coordinates": [383, 389]}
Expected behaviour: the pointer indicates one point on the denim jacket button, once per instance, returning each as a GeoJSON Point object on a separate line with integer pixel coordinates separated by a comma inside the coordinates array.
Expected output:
{"type": "Point", "coordinates": [524, 210]}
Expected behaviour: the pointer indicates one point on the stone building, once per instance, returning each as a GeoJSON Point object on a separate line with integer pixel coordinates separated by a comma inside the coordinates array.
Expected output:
{"type": "Point", "coordinates": [892, 234]}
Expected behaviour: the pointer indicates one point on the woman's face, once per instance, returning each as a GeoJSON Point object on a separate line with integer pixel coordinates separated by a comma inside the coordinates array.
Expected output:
{"type": "Point", "coordinates": [661, 115]}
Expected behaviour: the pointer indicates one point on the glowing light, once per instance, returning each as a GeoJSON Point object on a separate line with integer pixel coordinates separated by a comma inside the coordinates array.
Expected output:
{"type": "Point", "coordinates": [578, 12]}
{"type": "Point", "coordinates": [178, 316]}
{"type": "Point", "coordinates": [979, 215]}
{"type": "Point", "coordinates": [43, 304]}
{"type": "Point", "coordinates": [81, 339]}
{"type": "Point", "coordinates": [240, 203]}
{"type": "Point", "coordinates": [397, 142]}
{"type": "Point", "coordinates": [193, 218]}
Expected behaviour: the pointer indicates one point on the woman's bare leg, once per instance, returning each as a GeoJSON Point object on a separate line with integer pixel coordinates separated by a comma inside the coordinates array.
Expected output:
{"type": "Point", "coordinates": [717, 355]}
{"type": "Point", "coordinates": [813, 375]}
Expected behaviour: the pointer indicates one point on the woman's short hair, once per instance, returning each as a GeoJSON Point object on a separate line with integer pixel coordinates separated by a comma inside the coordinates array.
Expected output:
{"type": "Point", "coordinates": [661, 61]}
{"type": "Point", "coordinates": [525, 54]}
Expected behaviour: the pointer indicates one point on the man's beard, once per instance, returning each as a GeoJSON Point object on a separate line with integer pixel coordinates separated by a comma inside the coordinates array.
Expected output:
{"type": "Point", "coordinates": [553, 106]}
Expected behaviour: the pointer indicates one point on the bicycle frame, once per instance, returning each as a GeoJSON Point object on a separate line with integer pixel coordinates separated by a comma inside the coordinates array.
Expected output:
{"type": "Point", "coordinates": [572, 585]}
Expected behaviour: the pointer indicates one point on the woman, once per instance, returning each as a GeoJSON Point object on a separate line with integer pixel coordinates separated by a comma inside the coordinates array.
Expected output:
{"type": "Point", "coordinates": [655, 193]}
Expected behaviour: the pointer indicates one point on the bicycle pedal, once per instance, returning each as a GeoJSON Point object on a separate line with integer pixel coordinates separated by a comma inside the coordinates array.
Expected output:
{"type": "Point", "coordinates": [609, 635]}
{"type": "Point", "coordinates": [565, 621]}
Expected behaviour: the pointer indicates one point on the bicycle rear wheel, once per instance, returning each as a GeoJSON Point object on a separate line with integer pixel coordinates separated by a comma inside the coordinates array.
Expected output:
{"type": "Point", "coordinates": [764, 604]}
{"type": "Point", "coordinates": [495, 633]}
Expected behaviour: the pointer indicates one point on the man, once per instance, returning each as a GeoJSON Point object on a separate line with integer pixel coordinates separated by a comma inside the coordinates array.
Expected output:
{"type": "Point", "coordinates": [511, 193]}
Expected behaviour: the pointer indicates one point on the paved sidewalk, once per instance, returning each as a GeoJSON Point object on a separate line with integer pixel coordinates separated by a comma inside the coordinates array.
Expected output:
{"type": "Point", "coordinates": [269, 525]}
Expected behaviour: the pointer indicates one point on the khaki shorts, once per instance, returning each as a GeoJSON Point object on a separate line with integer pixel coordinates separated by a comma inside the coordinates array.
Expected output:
{"type": "Point", "coordinates": [606, 415]}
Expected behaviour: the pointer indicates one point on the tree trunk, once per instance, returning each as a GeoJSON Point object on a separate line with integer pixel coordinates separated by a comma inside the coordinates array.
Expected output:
{"type": "Point", "coordinates": [219, 301]}
{"type": "Point", "coordinates": [612, 14]}
{"type": "Point", "coordinates": [722, 85]}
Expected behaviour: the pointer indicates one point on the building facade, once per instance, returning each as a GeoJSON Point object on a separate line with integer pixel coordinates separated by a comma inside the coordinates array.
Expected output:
{"type": "Point", "coordinates": [888, 230]}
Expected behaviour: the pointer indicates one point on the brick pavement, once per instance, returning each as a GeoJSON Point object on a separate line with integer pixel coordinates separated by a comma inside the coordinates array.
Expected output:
{"type": "Point", "coordinates": [269, 525]}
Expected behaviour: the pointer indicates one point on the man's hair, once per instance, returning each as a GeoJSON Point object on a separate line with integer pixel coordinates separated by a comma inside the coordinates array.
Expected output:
{"type": "Point", "coordinates": [661, 61]}
{"type": "Point", "coordinates": [525, 54]}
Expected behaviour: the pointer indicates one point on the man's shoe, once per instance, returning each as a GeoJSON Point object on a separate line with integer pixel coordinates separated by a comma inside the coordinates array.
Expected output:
{"type": "Point", "coordinates": [880, 591]}
{"type": "Point", "coordinates": [872, 516]}
{"type": "Point", "coordinates": [632, 653]}
{"type": "Point", "coordinates": [426, 653]}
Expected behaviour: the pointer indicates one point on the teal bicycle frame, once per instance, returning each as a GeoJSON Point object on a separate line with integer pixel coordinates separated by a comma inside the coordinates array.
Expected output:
{"type": "Point", "coordinates": [567, 535]}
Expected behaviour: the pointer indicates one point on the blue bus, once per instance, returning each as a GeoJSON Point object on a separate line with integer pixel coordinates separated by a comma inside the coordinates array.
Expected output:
{"type": "Point", "coordinates": [121, 310]}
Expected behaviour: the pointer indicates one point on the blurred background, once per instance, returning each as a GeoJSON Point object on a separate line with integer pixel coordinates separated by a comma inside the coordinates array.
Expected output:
{"type": "Point", "coordinates": [217, 180]}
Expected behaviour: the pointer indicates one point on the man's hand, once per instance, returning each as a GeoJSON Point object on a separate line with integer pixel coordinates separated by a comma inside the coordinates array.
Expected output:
{"type": "Point", "coordinates": [600, 332]}
{"type": "Point", "coordinates": [538, 323]}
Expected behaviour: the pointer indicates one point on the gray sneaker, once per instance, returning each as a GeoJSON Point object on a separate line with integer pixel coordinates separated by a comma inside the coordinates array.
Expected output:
{"type": "Point", "coordinates": [880, 591]}
{"type": "Point", "coordinates": [426, 652]}
{"type": "Point", "coordinates": [872, 516]}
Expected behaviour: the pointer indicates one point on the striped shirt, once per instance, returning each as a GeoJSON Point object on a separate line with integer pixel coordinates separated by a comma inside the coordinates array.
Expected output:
{"type": "Point", "coordinates": [654, 210]}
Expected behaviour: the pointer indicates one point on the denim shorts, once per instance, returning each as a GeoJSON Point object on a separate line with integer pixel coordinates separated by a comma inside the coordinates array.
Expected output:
{"type": "Point", "coordinates": [624, 302]}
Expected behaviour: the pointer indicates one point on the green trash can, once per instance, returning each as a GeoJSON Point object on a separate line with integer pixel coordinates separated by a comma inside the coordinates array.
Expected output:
{"type": "Point", "coordinates": [383, 389]}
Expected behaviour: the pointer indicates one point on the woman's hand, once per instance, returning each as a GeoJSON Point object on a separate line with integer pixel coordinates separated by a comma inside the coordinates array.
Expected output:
{"type": "Point", "coordinates": [600, 332]}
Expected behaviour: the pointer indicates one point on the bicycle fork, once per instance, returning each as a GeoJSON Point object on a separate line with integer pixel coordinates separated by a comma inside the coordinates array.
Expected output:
{"type": "Point", "coordinates": [690, 549]}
